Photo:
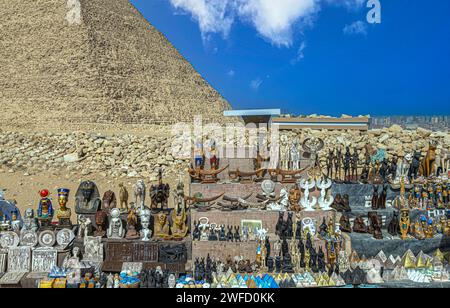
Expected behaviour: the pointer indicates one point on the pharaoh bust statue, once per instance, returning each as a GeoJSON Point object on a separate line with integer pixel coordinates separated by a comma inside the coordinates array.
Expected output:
{"type": "Point", "coordinates": [115, 229]}
{"type": "Point", "coordinates": [87, 198]}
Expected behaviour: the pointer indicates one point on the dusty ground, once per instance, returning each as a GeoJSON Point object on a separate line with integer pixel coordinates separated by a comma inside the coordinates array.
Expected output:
{"type": "Point", "coordinates": [24, 189]}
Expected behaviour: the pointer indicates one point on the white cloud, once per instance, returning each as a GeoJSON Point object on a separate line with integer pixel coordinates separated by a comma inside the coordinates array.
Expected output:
{"type": "Point", "coordinates": [300, 54]}
{"type": "Point", "coordinates": [358, 27]}
{"type": "Point", "coordinates": [212, 16]}
{"type": "Point", "coordinates": [275, 20]}
{"type": "Point", "coordinates": [256, 84]}
{"type": "Point", "coordinates": [231, 73]}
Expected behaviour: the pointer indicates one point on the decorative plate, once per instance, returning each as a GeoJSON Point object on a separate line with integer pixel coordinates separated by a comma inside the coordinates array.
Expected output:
{"type": "Point", "coordinates": [29, 238]}
{"type": "Point", "coordinates": [47, 238]}
{"type": "Point", "coordinates": [9, 239]}
{"type": "Point", "coordinates": [64, 237]}
{"type": "Point", "coordinates": [268, 187]}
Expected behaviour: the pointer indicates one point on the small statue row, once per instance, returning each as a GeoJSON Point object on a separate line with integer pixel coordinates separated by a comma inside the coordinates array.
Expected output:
{"type": "Point", "coordinates": [204, 232]}
{"type": "Point", "coordinates": [342, 167]}
{"type": "Point", "coordinates": [359, 225]}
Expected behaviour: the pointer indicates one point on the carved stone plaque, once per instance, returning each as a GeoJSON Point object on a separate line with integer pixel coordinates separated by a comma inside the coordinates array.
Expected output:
{"type": "Point", "coordinates": [93, 249]}
{"type": "Point", "coordinates": [19, 259]}
{"type": "Point", "coordinates": [29, 238]}
{"type": "Point", "coordinates": [3, 258]}
{"type": "Point", "coordinates": [12, 278]}
{"type": "Point", "coordinates": [47, 238]}
{"type": "Point", "coordinates": [145, 252]}
{"type": "Point", "coordinates": [132, 266]}
{"type": "Point", "coordinates": [9, 239]}
{"type": "Point", "coordinates": [44, 259]}
{"type": "Point", "coordinates": [64, 237]}
{"type": "Point", "coordinates": [119, 251]}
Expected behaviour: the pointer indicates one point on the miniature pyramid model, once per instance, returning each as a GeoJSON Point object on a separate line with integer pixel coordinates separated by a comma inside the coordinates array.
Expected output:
{"type": "Point", "coordinates": [95, 61]}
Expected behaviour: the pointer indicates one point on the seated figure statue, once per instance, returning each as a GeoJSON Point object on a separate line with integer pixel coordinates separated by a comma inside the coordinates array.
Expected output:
{"type": "Point", "coordinates": [162, 227]}
{"type": "Point", "coordinates": [179, 228]}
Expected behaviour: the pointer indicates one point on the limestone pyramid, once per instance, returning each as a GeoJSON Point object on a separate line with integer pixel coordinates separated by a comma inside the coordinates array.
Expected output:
{"type": "Point", "coordinates": [109, 66]}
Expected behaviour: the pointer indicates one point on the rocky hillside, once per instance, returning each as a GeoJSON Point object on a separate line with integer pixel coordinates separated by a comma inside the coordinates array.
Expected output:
{"type": "Point", "coordinates": [113, 68]}
{"type": "Point", "coordinates": [132, 156]}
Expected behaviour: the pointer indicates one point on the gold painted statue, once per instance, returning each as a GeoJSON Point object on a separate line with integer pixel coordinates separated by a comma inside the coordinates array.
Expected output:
{"type": "Point", "coordinates": [179, 228]}
{"type": "Point", "coordinates": [63, 213]}
{"type": "Point", "coordinates": [162, 227]}
{"type": "Point", "coordinates": [405, 223]}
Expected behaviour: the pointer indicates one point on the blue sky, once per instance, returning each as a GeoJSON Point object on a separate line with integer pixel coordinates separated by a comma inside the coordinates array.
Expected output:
{"type": "Point", "coordinates": [315, 56]}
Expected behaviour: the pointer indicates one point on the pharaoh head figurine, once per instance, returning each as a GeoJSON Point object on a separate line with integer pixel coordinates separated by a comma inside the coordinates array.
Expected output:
{"type": "Point", "coordinates": [63, 197]}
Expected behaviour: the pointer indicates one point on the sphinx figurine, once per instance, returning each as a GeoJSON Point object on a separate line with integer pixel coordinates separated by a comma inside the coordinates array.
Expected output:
{"type": "Point", "coordinates": [162, 227]}
{"type": "Point", "coordinates": [29, 221]}
{"type": "Point", "coordinates": [179, 228]}
{"type": "Point", "coordinates": [63, 213]}
{"type": "Point", "coordinates": [344, 224]}
{"type": "Point", "coordinates": [359, 226]}
{"type": "Point", "coordinates": [115, 229]}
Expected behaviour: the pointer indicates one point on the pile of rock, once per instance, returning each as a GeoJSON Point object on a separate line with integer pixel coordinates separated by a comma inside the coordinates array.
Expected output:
{"type": "Point", "coordinates": [110, 156]}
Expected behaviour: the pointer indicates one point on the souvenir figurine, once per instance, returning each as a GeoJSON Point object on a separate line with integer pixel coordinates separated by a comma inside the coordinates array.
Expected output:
{"type": "Point", "coordinates": [344, 224]}
{"type": "Point", "coordinates": [393, 166]}
{"type": "Point", "coordinates": [429, 230]}
{"type": "Point", "coordinates": [405, 223]}
{"type": "Point", "coordinates": [415, 165]}
{"type": "Point", "coordinates": [375, 198]}
{"type": "Point", "coordinates": [213, 160]}
{"type": "Point", "coordinates": [307, 202]}
{"type": "Point", "coordinates": [196, 232]}
{"type": "Point", "coordinates": [359, 226]}
{"type": "Point", "coordinates": [375, 225]}
{"type": "Point", "coordinates": [347, 162]}
{"type": "Point", "coordinates": [159, 194]}
{"type": "Point", "coordinates": [418, 231]}
{"type": "Point", "coordinates": [354, 165]}
{"type": "Point", "coordinates": [428, 164]}
{"type": "Point", "coordinates": [29, 221]}
{"type": "Point", "coordinates": [115, 228]}
{"type": "Point", "coordinates": [330, 160]}
{"type": "Point", "coordinates": [179, 228]}
{"type": "Point", "coordinates": [87, 198]}
{"type": "Point", "coordinates": [198, 154]}
{"type": "Point", "coordinates": [101, 218]}
{"type": "Point", "coordinates": [63, 213]}
{"type": "Point", "coordinates": [179, 198]}
{"type": "Point", "coordinates": [382, 198]}
{"type": "Point", "coordinates": [45, 209]}
{"type": "Point", "coordinates": [237, 234]}
{"type": "Point", "coordinates": [132, 223]}
{"type": "Point", "coordinates": [109, 201]}
{"type": "Point", "coordinates": [139, 190]}
{"type": "Point", "coordinates": [337, 164]}
{"type": "Point", "coordinates": [294, 198]}
{"type": "Point", "coordinates": [123, 198]}
{"type": "Point", "coordinates": [84, 226]}
{"type": "Point", "coordinates": [145, 232]}
{"type": "Point", "coordinates": [324, 201]}
{"type": "Point", "coordinates": [394, 225]}
{"type": "Point", "coordinates": [15, 222]}
{"type": "Point", "coordinates": [162, 227]}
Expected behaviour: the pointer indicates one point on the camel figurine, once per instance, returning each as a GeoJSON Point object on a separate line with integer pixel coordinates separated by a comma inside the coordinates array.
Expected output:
{"type": "Point", "coordinates": [123, 198]}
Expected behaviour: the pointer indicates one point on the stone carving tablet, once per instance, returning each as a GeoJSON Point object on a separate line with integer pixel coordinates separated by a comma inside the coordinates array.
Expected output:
{"type": "Point", "coordinates": [9, 239]}
{"type": "Point", "coordinates": [19, 259]}
{"type": "Point", "coordinates": [47, 238]}
{"type": "Point", "coordinates": [44, 259]}
{"type": "Point", "coordinates": [3, 258]}
{"type": "Point", "coordinates": [93, 249]}
{"type": "Point", "coordinates": [64, 237]}
{"type": "Point", "coordinates": [12, 278]}
{"type": "Point", "coordinates": [29, 238]}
